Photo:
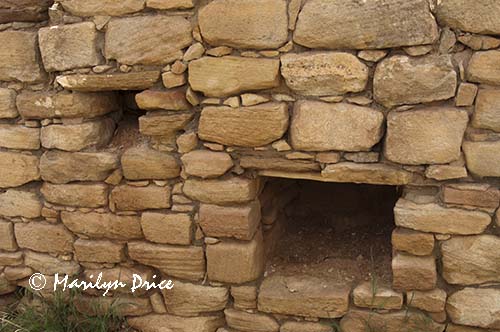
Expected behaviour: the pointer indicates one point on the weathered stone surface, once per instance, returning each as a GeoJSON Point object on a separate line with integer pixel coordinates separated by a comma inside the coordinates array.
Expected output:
{"type": "Point", "coordinates": [311, 296]}
{"type": "Point", "coordinates": [147, 40]}
{"type": "Point", "coordinates": [371, 25]}
{"type": "Point", "coordinates": [158, 323]}
{"type": "Point", "coordinates": [436, 219]}
{"type": "Point", "coordinates": [63, 167]}
{"type": "Point", "coordinates": [122, 274]}
{"type": "Point", "coordinates": [365, 173]}
{"type": "Point", "coordinates": [227, 191]}
{"type": "Point", "coordinates": [101, 251]}
{"type": "Point", "coordinates": [206, 164]}
{"type": "Point", "coordinates": [247, 322]}
{"type": "Point", "coordinates": [239, 222]}
{"type": "Point", "coordinates": [11, 258]}
{"type": "Point", "coordinates": [479, 16]}
{"type": "Point", "coordinates": [479, 42]}
{"type": "Point", "coordinates": [229, 75]}
{"type": "Point", "coordinates": [7, 240]}
{"type": "Point", "coordinates": [19, 137]}
{"type": "Point", "coordinates": [487, 112]}
{"type": "Point", "coordinates": [163, 124]}
{"type": "Point", "coordinates": [466, 94]}
{"type": "Point", "coordinates": [8, 104]}
{"type": "Point", "coordinates": [103, 225]}
{"type": "Point", "coordinates": [369, 295]}
{"type": "Point", "coordinates": [319, 126]}
{"type": "Point", "coordinates": [413, 272]}
{"type": "Point", "coordinates": [256, 24]}
{"type": "Point", "coordinates": [471, 260]}
{"type": "Point", "coordinates": [426, 136]}
{"type": "Point", "coordinates": [19, 203]}
{"type": "Point", "coordinates": [180, 262]}
{"type": "Point", "coordinates": [401, 80]}
{"type": "Point", "coordinates": [445, 172]}
{"type": "Point", "coordinates": [472, 194]}
{"type": "Point", "coordinates": [325, 73]}
{"type": "Point", "coordinates": [305, 327]}
{"type": "Point", "coordinates": [125, 305]}
{"type": "Point", "coordinates": [76, 194]}
{"type": "Point", "coordinates": [430, 301]}
{"type": "Point", "coordinates": [19, 57]}
{"type": "Point", "coordinates": [186, 299]}
{"type": "Point", "coordinates": [244, 297]}
{"type": "Point", "coordinates": [483, 68]}
{"type": "Point", "coordinates": [461, 328]}
{"type": "Point", "coordinates": [167, 228]}
{"type": "Point", "coordinates": [171, 100]}
{"type": "Point", "coordinates": [65, 47]}
{"type": "Point", "coordinates": [142, 163]}
{"type": "Point", "coordinates": [17, 169]}
{"type": "Point", "coordinates": [236, 261]}
{"type": "Point", "coordinates": [475, 307]}
{"type": "Point", "coordinates": [412, 242]}
{"type": "Point", "coordinates": [44, 237]}
{"type": "Point", "coordinates": [132, 198]}
{"type": "Point", "coordinates": [102, 7]}
{"type": "Point", "coordinates": [24, 10]}
{"type": "Point", "coordinates": [47, 264]}
{"type": "Point", "coordinates": [170, 4]}
{"type": "Point", "coordinates": [276, 162]}
{"type": "Point", "coordinates": [76, 137]}
{"type": "Point", "coordinates": [109, 82]}
{"type": "Point", "coordinates": [483, 158]}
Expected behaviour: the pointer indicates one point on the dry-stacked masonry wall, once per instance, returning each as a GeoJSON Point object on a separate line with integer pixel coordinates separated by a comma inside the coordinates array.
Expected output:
{"type": "Point", "coordinates": [394, 92]}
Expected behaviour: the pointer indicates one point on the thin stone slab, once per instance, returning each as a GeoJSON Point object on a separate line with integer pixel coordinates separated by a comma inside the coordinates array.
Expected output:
{"type": "Point", "coordinates": [109, 82]}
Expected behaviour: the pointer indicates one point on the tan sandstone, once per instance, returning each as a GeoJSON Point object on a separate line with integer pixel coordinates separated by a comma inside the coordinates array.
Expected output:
{"type": "Point", "coordinates": [130, 198]}
{"type": "Point", "coordinates": [172, 100]}
{"type": "Point", "coordinates": [48, 264]}
{"type": "Point", "coordinates": [413, 272]}
{"type": "Point", "coordinates": [170, 4]}
{"type": "Point", "coordinates": [430, 301]}
{"type": "Point", "coordinates": [222, 191]}
{"type": "Point", "coordinates": [487, 112]}
{"type": "Point", "coordinates": [364, 173]}
{"type": "Point", "coordinates": [141, 163]}
{"type": "Point", "coordinates": [7, 104]}
{"type": "Point", "coordinates": [150, 323]}
{"type": "Point", "coordinates": [76, 194]}
{"type": "Point", "coordinates": [248, 322]}
{"type": "Point", "coordinates": [479, 16]}
{"type": "Point", "coordinates": [44, 237]}
{"type": "Point", "coordinates": [278, 163]}
{"type": "Point", "coordinates": [483, 68]}
{"type": "Point", "coordinates": [376, 296]}
{"type": "Point", "coordinates": [483, 158]}
{"type": "Point", "coordinates": [102, 7]}
{"type": "Point", "coordinates": [475, 307]}
{"type": "Point", "coordinates": [19, 137]}
{"type": "Point", "coordinates": [99, 251]}
{"type": "Point", "coordinates": [19, 57]}
{"type": "Point", "coordinates": [412, 242]}
{"type": "Point", "coordinates": [165, 228]}
{"type": "Point", "coordinates": [17, 169]}
{"type": "Point", "coordinates": [482, 195]}
{"type": "Point", "coordinates": [7, 240]}
{"type": "Point", "coordinates": [163, 124]}
{"type": "Point", "coordinates": [305, 327]}
{"type": "Point", "coordinates": [109, 82]}
{"type": "Point", "coordinates": [15, 202]}
{"type": "Point", "coordinates": [206, 164]}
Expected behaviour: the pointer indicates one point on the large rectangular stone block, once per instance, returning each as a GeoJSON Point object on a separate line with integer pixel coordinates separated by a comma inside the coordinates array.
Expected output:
{"type": "Point", "coordinates": [141, 163]}
{"type": "Point", "coordinates": [175, 228]}
{"type": "Point", "coordinates": [19, 57]}
{"type": "Point", "coordinates": [487, 112]}
{"type": "Point", "coordinates": [483, 158]}
{"type": "Point", "coordinates": [17, 169]}
{"type": "Point", "coordinates": [222, 191]}
{"type": "Point", "coordinates": [132, 198]}
{"type": "Point", "coordinates": [480, 16]}
{"type": "Point", "coordinates": [478, 307]}
{"type": "Point", "coordinates": [44, 237]}
{"type": "Point", "coordinates": [76, 194]}
{"type": "Point", "coordinates": [19, 137]}
{"type": "Point", "coordinates": [483, 68]}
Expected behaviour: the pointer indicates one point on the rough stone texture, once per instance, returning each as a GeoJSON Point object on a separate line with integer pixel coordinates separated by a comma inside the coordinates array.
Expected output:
{"type": "Point", "coordinates": [276, 162]}
{"type": "Point", "coordinates": [305, 327]}
{"type": "Point", "coordinates": [69, 46]}
{"type": "Point", "coordinates": [103, 225]}
{"type": "Point", "coordinates": [483, 68]}
{"type": "Point", "coordinates": [206, 164]}
{"type": "Point", "coordinates": [318, 126]}
{"type": "Point", "coordinates": [19, 56]}
{"type": "Point", "coordinates": [19, 203]}
{"type": "Point", "coordinates": [483, 158]}
{"type": "Point", "coordinates": [413, 272]}
{"type": "Point", "coordinates": [247, 322]}
{"type": "Point", "coordinates": [163, 124]}
{"type": "Point", "coordinates": [445, 172]}
{"type": "Point", "coordinates": [47, 264]}
{"type": "Point", "coordinates": [155, 323]}
{"type": "Point", "coordinates": [172, 100]}
{"type": "Point", "coordinates": [7, 240]}
{"type": "Point", "coordinates": [123, 305]}
{"type": "Point", "coordinates": [471, 260]}
{"type": "Point", "coordinates": [259, 24]}
{"type": "Point", "coordinates": [167, 228]}
{"type": "Point", "coordinates": [401, 80]}
{"type": "Point", "coordinates": [481, 195]}
{"type": "Point", "coordinates": [24, 10]}
{"type": "Point", "coordinates": [487, 112]}
{"type": "Point", "coordinates": [102, 7]}
{"type": "Point", "coordinates": [430, 301]}
{"type": "Point", "coordinates": [17, 169]}
{"type": "Point", "coordinates": [122, 274]}
{"type": "Point", "coordinates": [132, 198]}
{"type": "Point", "coordinates": [7, 104]}
{"type": "Point", "coordinates": [63, 167]}
{"type": "Point", "coordinates": [44, 237]}
{"type": "Point", "coordinates": [141, 163]}
{"type": "Point", "coordinates": [466, 94]}
{"type": "Point", "coordinates": [181, 262]}
{"type": "Point", "coordinates": [370, 295]}
{"type": "Point", "coordinates": [427, 136]}
{"type": "Point", "coordinates": [475, 307]}
{"type": "Point", "coordinates": [479, 16]}
{"type": "Point", "coordinates": [326, 73]}
{"type": "Point", "coordinates": [19, 137]}
{"type": "Point", "coordinates": [246, 126]}
{"type": "Point", "coordinates": [239, 222]}
{"type": "Point", "coordinates": [365, 173]}
{"type": "Point", "coordinates": [244, 297]}
{"type": "Point", "coordinates": [236, 262]}
{"type": "Point", "coordinates": [433, 218]}
{"type": "Point", "coordinates": [228, 191]}
{"type": "Point", "coordinates": [229, 75]}
{"type": "Point", "coordinates": [147, 40]}
{"type": "Point", "coordinates": [186, 299]}
{"type": "Point", "coordinates": [91, 195]}
{"type": "Point", "coordinates": [170, 4]}
{"type": "Point", "coordinates": [412, 242]}
{"type": "Point", "coordinates": [372, 25]}
{"type": "Point", "coordinates": [109, 82]}
{"type": "Point", "coordinates": [101, 251]}
{"type": "Point", "coordinates": [311, 296]}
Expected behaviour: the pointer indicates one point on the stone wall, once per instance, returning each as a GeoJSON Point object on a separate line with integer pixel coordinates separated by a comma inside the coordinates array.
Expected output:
{"type": "Point", "coordinates": [229, 92]}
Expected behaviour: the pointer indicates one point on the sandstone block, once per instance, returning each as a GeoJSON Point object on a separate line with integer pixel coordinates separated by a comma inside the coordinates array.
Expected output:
{"type": "Point", "coordinates": [412, 242]}
{"type": "Point", "coordinates": [372, 25]}
{"type": "Point", "coordinates": [170, 4]}
{"type": "Point", "coordinates": [20, 203]}
{"type": "Point", "coordinates": [19, 137]}
{"type": "Point", "coordinates": [65, 47]}
{"type": "Point", "coordinates": [147, 40]}
{"type": "Point", "coordinates": [481, 195]}
{"type": "Point", "coordinates": [247, 322]}
{"type": "Point", "coordinates": [483, 68]}
{"type": "Point", "coordinates": [180, 262]}
{"type": "Point", "coordinates": [244, 297]}
{"type": "Point", "coordinates": [101, 251]}
{"type": "Point", "coordinates": [186, 299]}
{"type": "Point", "coordinates": [132, 198]}
{"type": "Point", "coordinates": [206, 164]}
{"type": "Point", "coordinates": [11, 258]}
{"type": "Point", "coordinates": [240, 222]}
{"type": "Point", "coordinates": [19, 57]}
{"type": "Point", "coordinates": [260, 24]}
{"type": "Point", "coordinates": [167, 228]}
{"type": "Point", "coordinates": [76, 194]}
{"type": "Point", "coordinates": [8, 104]}
{"type": "Point", "coordinates": [311, 296]}
{"type": "Point", "coordinates": [227, 191]}
{"type": "Point", "coordinates": [142, 163]}
{"type": "Point", "coordinates": [48, 264]}
{"type": "Point", "coordinates": [365, 173]}
{"type": "Point", "coordinates": [163, 124]}
{"type": "Point", "coordinates": [436, 219]}
{"type": "Point", "coordinates": [461, 328]}
{"type": "Point", "coordinates": [103, 225]}
{"type": "Point", "coordinates": [318, 126]}
{"type": "Point", "coordinates": [17, 169]}
{"type": "Point", "coordinates": [326, 73]}
{"type": "Point", "coordinates": [369, 295]}
{"type": "Point", "coordinates": [44, 237]}
{"type": "Point", "coordinates": [7, 240]}
{"type": "Point", "coordinates": [109, 82]}
{"type": "Point", "coordinates": [123, 305]}
{"type": "Point", "coordinates": [413, 272]}
{"type": "Point", "coordinates": [63, 167]}
{"type": "Point", "coordinates": [24, 11]}
{"type": "Point", "coordinates": [229, 75]}
{"type": "Point", "coordinates": [401, 80]}
{"type": "Point", "coordinates": [426, 136]}
{"type": "Point", "coordinates": [483, 158]}
{"type": "Point", "coordinates": [430, 301]}
{"type": "Point", "coordinates": [305, 327]}
{"type": "Point", "coordinates": [150, 323]}
{"type": "Point", "coordinates": [171, 100]}
{"type": "Point", "coordinates": [475, 307]}
{"type": "Point", "coordinates": [466, 94]}
{"type": "Point", "coordinates": [76, 137]}
{"type": "Point", "coordinates": [278, 163]}
{"type": "Point", "coordinates": [479, 17]}
{"type": "Point", "coordinates": [445, 172]}
{"type": "Point", "coordinates": [122, 274]}
{"type": "Point", "coordinates": [102, 7]}
{"type": "Point", "coordinates": [487, 112]}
